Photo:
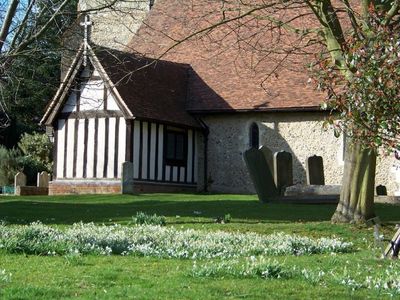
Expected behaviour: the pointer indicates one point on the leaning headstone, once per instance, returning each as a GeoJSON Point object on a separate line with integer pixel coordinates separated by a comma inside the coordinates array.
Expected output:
{"type": "Point", "coordinates": [19, 180]}
{"type": "Point", "coordinates": [315, 170]}
{"type": "Point", "coordinates": [269, 157]}
{"type": "Point", "coordinates": [127, 178]}
{"type": "Point", "coordinates": [260, 174]}
{"type": "Point", "coordinates": [43, 179]}
{"type": "Point", "coordinates": [283, 170]}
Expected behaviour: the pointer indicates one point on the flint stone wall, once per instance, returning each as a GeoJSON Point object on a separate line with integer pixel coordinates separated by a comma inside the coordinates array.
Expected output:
{"type": "Point", "coordinates": [299, 133]}
{"type": "Point", "coordinates": [113, 27]}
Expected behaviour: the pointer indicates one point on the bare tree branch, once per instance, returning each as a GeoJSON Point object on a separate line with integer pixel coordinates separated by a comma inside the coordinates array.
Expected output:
{"type": "Point", "coordinates": [11, 11]}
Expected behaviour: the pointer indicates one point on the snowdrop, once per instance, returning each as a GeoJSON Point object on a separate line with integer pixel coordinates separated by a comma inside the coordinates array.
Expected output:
{"type": "Point", "coordinates": [157, 241]}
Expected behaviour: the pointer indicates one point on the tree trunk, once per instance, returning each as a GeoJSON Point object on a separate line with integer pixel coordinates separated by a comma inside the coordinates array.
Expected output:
{"type": "Point", "coordinates": [357, 196]}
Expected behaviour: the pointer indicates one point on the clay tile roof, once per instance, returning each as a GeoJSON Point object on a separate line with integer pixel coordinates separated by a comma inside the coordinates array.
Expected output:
{"type": "Point", "coordinates": [152, 90]}
{"type": "Point", "coordinates": [266, 70]}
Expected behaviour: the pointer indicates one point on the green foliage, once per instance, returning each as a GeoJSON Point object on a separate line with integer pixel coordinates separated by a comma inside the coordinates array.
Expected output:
{"type": "Point", "coordinates": [72, 275]}
{"type": "Point", "coordinates": [249, 268]}
{"type": "Point", "coordinates": [145, 219]}
{"type": "Point", "coordinates": [32, 157]}
{"type": "Point", "coordinates": [9, 165]}
{"type": "Point", "coordinates": [37, 155]}
{"type": "Point", "coordinates": [31, 77]}
{"type": "Point", "coordinates": [227, 218]}
{"type": "Point", "coordinates": [38, 148]}
{"type": "Point", "coordinates": [158, 241]}
{"type": "Point", "coordinates": [366, 96]}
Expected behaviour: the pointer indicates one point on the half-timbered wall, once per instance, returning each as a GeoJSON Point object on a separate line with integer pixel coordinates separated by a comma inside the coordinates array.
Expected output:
{"type": "Point", "coordinates": [93, 139]}
{"type": "Point", "coordinates": [149, 162]}
{"type": "Point", "coordinates": [95, 148]}
{"type": "Point", "coordinates": [90, 147]}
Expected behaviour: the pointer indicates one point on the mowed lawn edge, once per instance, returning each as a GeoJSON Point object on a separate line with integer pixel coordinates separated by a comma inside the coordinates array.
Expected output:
{"type": "Point", "coordinates": [113, 277]}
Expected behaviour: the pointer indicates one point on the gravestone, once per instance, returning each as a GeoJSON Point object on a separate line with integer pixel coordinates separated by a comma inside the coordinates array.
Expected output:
{"type": "Point", "coordinates": [260, 173]}
{"type": "Point", "coordinates": [381, 190]}
{"type": "Point", "coordinates": [269, 157]}
{"type": "Point", "coordinates": [19, 180]}
{"type": "Point", "coordinates": [315, 170]}
{"type": "Point", "coordinates": [127, 178]}
{"type": "Point", "coordinates": [43, 179]}
{"type": "Point", "coordinates": [283, 170]}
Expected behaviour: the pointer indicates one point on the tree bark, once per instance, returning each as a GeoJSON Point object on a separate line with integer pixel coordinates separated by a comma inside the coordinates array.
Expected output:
{"type": "Point", "coordinates": [5, 28]}
{"type": "Point", "coordinates": [356, 202]}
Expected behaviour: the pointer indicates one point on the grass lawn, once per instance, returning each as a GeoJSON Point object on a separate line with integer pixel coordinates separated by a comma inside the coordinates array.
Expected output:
{"type": "Point", "coordinates": [132, 277]}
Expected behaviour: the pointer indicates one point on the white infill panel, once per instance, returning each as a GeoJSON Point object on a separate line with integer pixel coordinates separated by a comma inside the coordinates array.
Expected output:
{"type": "Point", "coordinates": [111, 103]}
{"type": "Point", "coordinates": [100, 147]}
{"type": "Point", "coordinates": [153, 151]}
{"type": "Point", "coordinates": [121, 145]}
{"type": "Point", "coordinates": [182, 174]}
{"type": "Point", "coordinates": [145, 149]}
{"type": "Point", "coordinates": [90, 149]}
{"type": "Point", "coordinates": [60, 148]}
{"type": "Point", "coordinates": [175, 174]}
{"type": "Point", "coordinates": [136, 149]}
{"type": "Point", "coordinates": [195, 157]}
{"type": "Point", "coordinates": [70, 148]}
{"type": "Point", "coordinates": [167, 173]}
{"type": "Point", "coordinates": [111, 147]}
{"type": "Point", "coordinates": [80, 148]}
{"type": "Point", "coordinates": [70, 105]}
{"type": "Point", "coordinates": [92, 95]}
{"type": "Point", "coordinates": [189, 164]}
{"type": "Point", "coordinates": [160, 152]}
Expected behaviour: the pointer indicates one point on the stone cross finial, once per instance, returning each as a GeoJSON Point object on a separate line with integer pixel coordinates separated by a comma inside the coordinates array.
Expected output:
{"type": "Point", "coordinates": [86, 25]}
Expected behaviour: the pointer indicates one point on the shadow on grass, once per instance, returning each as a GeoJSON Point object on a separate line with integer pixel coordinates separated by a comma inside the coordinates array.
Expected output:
{"type": "Point", "coordinates": [64, 211]}
{"type": "Point", "coordinates": [21, 212]}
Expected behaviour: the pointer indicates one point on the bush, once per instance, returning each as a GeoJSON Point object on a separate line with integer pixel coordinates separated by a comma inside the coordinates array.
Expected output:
{"type": "Point", "coordinates": [145, 219]}
{"type": "Point", "coordinates": [9, 165]}
{"type": "Point", "coordinates": [37, 150]}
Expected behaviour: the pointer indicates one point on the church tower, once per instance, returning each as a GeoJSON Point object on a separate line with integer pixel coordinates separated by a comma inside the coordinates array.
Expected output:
{"type": "Point", "coordinates": [115, 21]}
{"type": "Point", "coordinates": [113, 24]}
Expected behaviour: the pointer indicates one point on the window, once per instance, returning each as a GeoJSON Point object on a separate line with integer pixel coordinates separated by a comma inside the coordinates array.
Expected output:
{"type": "Point", "coordinates": [254, 136]}
{"type": "Point", "coordinates": [175, 148]}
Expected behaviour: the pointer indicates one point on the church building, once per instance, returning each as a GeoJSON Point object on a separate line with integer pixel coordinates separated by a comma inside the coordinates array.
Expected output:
{"type": "Point", "coordinates": [184, 112]}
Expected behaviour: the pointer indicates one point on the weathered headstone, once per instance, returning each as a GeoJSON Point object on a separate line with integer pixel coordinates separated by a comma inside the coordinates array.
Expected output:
{"type": "Point", "coordinates": [315, 170]}
{"type": "Point", "coordinates": [43, 179]}
{"type": "Point", "coordinates": [269, 157]}
{"type": "Point", "coordinates": [283, 170]}
{"type": "Point", "coordinates": [127, 178]}
{"type": "Point", "coordinates": [260, 174]}
{"type": "Point", "coordinates": [19, 180]}
{"type": "Point", "coordinates": [381, 190]}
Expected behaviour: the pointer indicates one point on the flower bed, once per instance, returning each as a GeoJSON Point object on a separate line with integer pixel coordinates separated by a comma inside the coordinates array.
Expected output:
{"type": "Point", "coordinates": [157, 241]}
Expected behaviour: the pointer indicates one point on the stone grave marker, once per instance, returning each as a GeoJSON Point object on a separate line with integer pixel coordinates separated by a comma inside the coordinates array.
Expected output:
{"type": "Point", "coordinates": [19, 180]}
{"type": "Point", "coordinates": [43, 179]}
{"type": "Point", "coordinates": [260, 174]}
{"type": "Point", "coordinates": [315, 170]}
{"type": "Point", "coordinates": [381, 190]}
{"type": "Point", "coordinates": [283, 170]}
{"type": "Point", "coordinates": [269, 157]}
{"type": "Point", "coordinates": [127, 178]}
